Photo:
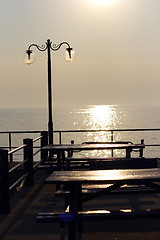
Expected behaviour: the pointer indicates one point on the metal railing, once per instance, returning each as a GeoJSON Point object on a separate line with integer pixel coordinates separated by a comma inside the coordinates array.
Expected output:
{"type": "Point", "coordinates": [60, 135]}
{"type": "Point", "coordinates": [150, 136]}
{"type": "Point", "coordinates": [11, 133]}
{"type": "Point", "coordinates": [110, 131]}
{"type": "Point", "coordinates": [61, 132]}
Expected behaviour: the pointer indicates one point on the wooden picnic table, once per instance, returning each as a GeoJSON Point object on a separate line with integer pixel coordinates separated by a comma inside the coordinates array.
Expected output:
{"type": "Point", "coordinates": [61, 149]}
{"type": "Point", "coordinates": [102, 176]}
{"type": "Point", "coordinates": [74, 181]}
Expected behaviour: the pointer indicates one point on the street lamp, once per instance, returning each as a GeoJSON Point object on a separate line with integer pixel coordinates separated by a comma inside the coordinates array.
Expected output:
{"type": "Point", "coordinates": [30, 58]}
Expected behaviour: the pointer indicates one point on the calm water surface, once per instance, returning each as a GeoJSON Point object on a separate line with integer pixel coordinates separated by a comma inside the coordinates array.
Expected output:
{"type": "Point", "coordinates": [84, 117]}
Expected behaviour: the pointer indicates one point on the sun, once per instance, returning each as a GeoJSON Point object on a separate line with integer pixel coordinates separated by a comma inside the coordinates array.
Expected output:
{"type": "Point", "coordinates": [101, 2]}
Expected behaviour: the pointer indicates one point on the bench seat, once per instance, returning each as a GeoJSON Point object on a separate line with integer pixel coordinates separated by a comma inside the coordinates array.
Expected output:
{"type": "Point", "coordinates": [96, 215]}
{"type": "Point", "coordinates": [72, 166]}
{"type": "Point", "coordinates": [102, 163]}
{"type": "Point", "coordinates": [132, 163]}
{"type": "Point", "coordinates": [91, 189]}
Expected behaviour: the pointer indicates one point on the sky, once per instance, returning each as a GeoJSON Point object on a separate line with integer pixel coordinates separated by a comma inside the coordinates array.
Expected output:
{"type": "Point", "coordinates": [117, 45]}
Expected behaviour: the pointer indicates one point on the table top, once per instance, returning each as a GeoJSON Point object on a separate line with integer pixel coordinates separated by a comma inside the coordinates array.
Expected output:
{"type": "Point", "coordinates": [106, 176]}
{"type": "Point", "coordinates": [80, 147]}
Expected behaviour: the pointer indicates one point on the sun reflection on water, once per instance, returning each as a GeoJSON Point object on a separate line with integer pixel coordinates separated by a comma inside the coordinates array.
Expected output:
{"type": "Point", "coordinates": [102, 117]}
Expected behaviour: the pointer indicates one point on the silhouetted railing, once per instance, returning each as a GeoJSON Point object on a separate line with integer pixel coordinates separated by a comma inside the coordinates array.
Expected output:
{"type": "Point", "coordinates": [62, 132]}
{"type": "Point", "coordinates": [28, 168]}
{"type": "Point", "coordinates": [110, 131]}
{"type": "Point", "coordinates": [60, 135]}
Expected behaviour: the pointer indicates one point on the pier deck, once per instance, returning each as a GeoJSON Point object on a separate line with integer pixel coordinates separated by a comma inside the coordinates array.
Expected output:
{"type": "Point", "coordinates": [29, 201]}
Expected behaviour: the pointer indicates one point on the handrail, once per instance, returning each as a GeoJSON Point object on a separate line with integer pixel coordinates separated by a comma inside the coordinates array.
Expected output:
{"type": "Point", "coordinates": [26, 177]}
{"type": "Point", "coordinates": [18, 181]}
{"type": "Point", "coordinates": [23, 162]}
{"type": "Point", "coordinates": [38, 163]}
{"type": "Point", "coordinates": [37, 139]}
{"type": "Point", "coordinates": [78, 131]}
{"type": "Point", "coordinates": [109, 130]}
{"type": "Point", "coordinates": [36, 152]}
{"type": "Point", "coordinates": [17, 166]}
{"type": "Point", "coordinates": [29, 131]}
{"type": "Point", "coordinates": [60, 132]}
{"type": "Point", "coordinates": [17, 149]}
{"type": "Point", "coordinates": [152, 145]}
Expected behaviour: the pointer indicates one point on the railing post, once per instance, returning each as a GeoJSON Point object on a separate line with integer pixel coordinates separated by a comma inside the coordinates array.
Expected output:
{"type": "Point", "coordinates": [28, 165]}
{"type": "Point", "coordinates": [44, 142]}
{"type": "Point", "coordinates": [112, 141]}
{"type": "Point", "coordinates": [4, 182]}
{"type": "Point", "coordinates": [10, 146]}
{"type": "Point", "coordinates": [141, 150]}
{"type": "Point", "coordinates": [111, 135]}
{"type": "Point", "coordinates": [60, 137]}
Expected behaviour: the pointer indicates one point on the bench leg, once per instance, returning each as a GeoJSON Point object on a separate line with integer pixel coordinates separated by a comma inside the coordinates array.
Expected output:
{"type": "Point", "coordinates": [75, 206]}
{"type": "Point", "coordinates": [128, 152]}
{"type": "Point", "coordinates": [72, 230]}
{"type": "Point", "coordinates": [79, 196]}
{"type": "Point", "coordinates": [59, 166]}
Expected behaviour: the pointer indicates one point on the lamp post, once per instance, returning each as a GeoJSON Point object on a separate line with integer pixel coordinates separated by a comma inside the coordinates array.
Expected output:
{"type": "Point", "coordinates": [30, 58]}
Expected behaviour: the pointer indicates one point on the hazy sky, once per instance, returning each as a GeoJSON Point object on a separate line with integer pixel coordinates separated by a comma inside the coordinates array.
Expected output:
{"type": "Point", "coordinates": [117, 44]}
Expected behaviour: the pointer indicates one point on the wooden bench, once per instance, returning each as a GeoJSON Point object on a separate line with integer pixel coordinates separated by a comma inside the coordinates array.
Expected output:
{"type": "Point", "coordinates": [74, 215]}
{"type": "Point", "coordinates": [123, 163]}
{"type": "Point", "coordinates": [103, 163]}
{"type": "Point", "coordinates": [92, 189]}
{"type": "Point", "coordinates": [95, 215]}
{"type": "Point", "coordinates": [72, 166]}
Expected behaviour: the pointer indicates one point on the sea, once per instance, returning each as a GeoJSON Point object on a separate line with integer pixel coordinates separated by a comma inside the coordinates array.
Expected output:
{"type": "Point", "coordinates": [86, 117]}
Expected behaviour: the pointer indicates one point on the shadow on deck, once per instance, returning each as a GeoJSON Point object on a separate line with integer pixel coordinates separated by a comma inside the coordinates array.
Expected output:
{"type": "Point", "coordinates": [21, 224]}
